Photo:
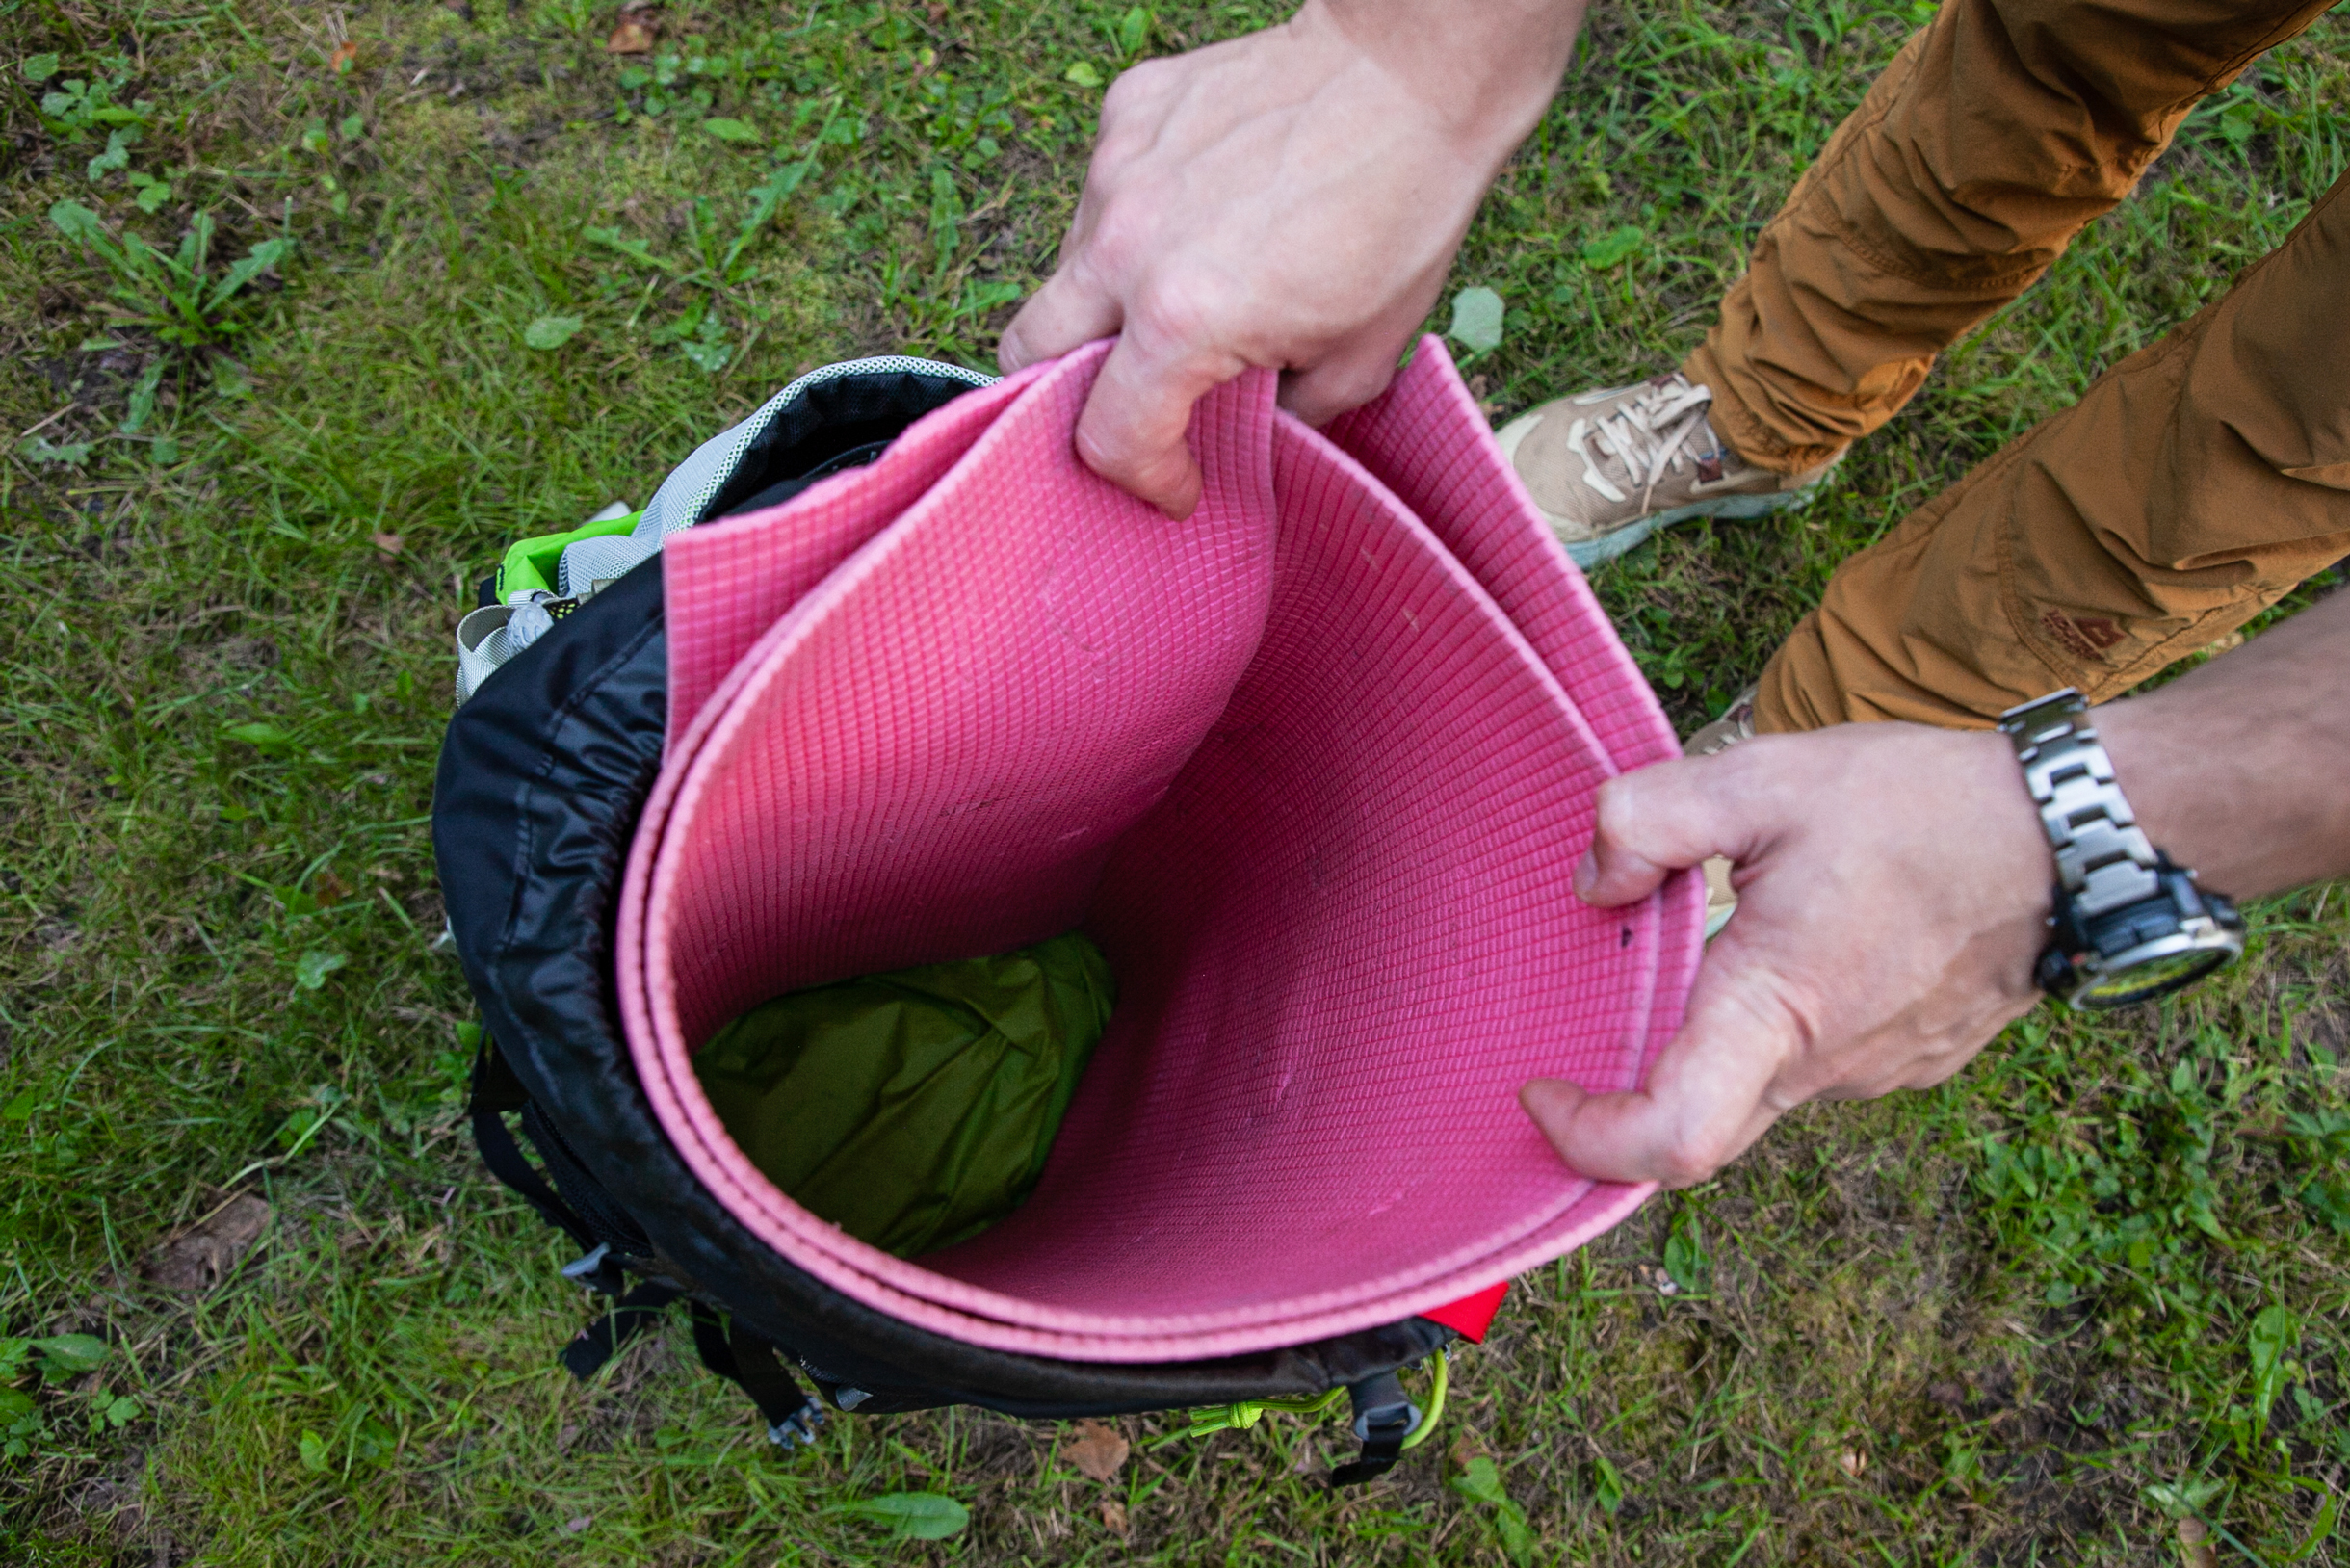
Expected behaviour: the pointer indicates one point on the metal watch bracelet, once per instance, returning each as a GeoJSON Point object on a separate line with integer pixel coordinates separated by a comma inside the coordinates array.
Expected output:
{"type": "Point", "coordinates": [2104, 860]}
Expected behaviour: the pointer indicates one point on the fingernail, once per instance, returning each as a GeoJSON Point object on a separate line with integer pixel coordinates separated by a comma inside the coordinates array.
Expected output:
{"type": "Point", "coordinates": [1586, 876]}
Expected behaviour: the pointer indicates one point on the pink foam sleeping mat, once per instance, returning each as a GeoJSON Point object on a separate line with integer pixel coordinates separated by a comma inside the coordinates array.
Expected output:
{"type": "Point", "coordinates": [1313, 767]}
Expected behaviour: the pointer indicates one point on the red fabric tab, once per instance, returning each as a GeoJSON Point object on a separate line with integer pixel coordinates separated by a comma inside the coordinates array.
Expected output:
{"type": "Point", "coordinates": [1472, 1315]}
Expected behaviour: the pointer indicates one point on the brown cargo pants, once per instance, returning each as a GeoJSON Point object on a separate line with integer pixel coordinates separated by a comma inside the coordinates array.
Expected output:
{"type": "Point", "coordinates": [2193, 484]}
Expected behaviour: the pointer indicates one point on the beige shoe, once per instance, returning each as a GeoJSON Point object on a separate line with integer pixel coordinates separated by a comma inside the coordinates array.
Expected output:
{"type": "Point", "coordinates": [1737, 724]}
{"type": "Point", "coordinates": [1608, 468]}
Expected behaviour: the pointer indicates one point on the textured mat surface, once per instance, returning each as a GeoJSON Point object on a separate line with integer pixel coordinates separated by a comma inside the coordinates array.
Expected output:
{"type": "Point", "coordinates": [1314, 767]}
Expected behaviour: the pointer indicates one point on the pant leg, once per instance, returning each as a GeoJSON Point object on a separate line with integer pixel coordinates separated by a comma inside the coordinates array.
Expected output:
{"type": "Point", "coordinates": [2194, 484]}
{"type": "Point", "coordinates": [1996, 135]}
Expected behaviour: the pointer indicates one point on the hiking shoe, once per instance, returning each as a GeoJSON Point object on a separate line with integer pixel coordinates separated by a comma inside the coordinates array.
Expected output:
{"type": "Point", "coordinates": [1608, 468]}
{"type": "Point", "coordinates": [1737, 724]}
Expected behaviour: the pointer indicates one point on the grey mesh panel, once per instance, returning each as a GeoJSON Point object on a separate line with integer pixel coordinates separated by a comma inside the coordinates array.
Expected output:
{"type": "Point", "coordinates": [593, 561]}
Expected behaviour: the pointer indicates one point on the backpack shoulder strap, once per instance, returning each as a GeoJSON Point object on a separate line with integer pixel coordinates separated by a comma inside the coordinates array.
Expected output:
{"type": "Point", "coordinates": [496, 1090]}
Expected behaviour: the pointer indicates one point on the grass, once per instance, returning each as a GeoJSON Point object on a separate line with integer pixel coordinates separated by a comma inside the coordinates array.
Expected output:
{"type": "Point", "coordinates": [2094, 1288]}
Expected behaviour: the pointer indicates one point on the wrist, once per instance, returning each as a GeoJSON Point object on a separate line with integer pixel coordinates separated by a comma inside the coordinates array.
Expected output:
{"type": "Point", "coordinates": [2236, 769]}
{"type": "Point", "coordinates": [2151, 762]}
{"type": "Point", "coordinates": [2167, 769]}
{"type": "Point", "coordinates": [1483, 74]}
{"type": "Point", "coordinates": [2006, 827]}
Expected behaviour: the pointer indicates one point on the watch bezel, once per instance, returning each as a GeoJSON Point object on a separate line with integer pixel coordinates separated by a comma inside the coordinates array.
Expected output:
{"type": "Point", "coordinates": [2080, 974]}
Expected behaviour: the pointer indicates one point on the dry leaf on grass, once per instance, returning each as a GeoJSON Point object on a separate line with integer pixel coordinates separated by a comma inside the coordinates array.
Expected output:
{"type": "Point", "coordinates": [346, 54]}
{"type": "Point", "coordinates": [2195, 1540]}
{"type": "Point", "coordinates": [391, 544]}
{"type": "Point", "coordinates": [630, 37]}
{"type": "Point", "coordinates": [1097, 1449]}
{"type": "Point", "coordinates": [201, 1256]}
{"type": "Point", "coordinates": [1114, 1517]}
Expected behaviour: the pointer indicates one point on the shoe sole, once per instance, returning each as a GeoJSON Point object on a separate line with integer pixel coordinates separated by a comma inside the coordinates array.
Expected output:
{"type": "Point", "coordinates": [1589, 553]}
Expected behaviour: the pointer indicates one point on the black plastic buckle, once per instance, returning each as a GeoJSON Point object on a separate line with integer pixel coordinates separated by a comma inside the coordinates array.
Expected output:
{"type": "Point", "coordinates": [599, 1271]}
{"type": "Point", "coordinates": [1383, 1417]}
{"type": "Point", "coordinates": [800, 1426]}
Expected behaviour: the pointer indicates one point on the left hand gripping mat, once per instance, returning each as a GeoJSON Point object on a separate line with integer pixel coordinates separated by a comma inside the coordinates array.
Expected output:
{"type": "Point", "coordinates": [1293, 766]}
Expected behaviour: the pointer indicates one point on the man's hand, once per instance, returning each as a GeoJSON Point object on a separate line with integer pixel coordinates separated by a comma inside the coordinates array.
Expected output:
{"type": "Point", "coordinates": [1893, 885]}
{"type": "Point", "coordinates": [1893, 881]}
{"type": "Point", "coordinates": [1289, 200]}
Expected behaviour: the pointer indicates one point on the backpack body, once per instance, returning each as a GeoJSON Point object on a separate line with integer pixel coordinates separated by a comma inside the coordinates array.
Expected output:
{"type": "Point", "coordinates": [545, 775]}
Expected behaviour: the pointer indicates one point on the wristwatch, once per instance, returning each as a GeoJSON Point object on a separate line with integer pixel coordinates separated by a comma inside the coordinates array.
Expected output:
{"type": "Point", "coordinates": [2129, 925]}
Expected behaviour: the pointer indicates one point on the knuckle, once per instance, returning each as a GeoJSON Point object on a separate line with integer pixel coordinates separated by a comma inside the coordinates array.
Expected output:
{"type": "Point", "coordinates": [1693, 1157]}
{"type": "Point", "coordinates": [1122, 238]}
{"type": "Point", "coordinates": [1187, 310]}
{"type": "Point", "coordinates": [1130, 123]}
{"type": "Point", "coordinates": [1152, 471]}
{"type": "Point", "coordinates": [1615, 809]}
{"type": "Point", "coordinates": [1131, 88]}
{"type": "Point", "coordinates": [1350, 388]}
{"type": "Point", "coordinates": [1107, 455]}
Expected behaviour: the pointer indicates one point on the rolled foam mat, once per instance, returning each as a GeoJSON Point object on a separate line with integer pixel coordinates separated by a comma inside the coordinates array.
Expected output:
{"type": "Point", "coordinates": [1313, 767]}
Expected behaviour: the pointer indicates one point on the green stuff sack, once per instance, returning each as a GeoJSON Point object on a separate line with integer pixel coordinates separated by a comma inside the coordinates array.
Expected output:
{"type": "Point", "coordinates": [914, 1109]}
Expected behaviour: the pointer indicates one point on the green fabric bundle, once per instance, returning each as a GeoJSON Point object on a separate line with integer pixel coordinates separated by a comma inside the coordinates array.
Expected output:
{"type": "Point", "coordinates": [915, 1109]}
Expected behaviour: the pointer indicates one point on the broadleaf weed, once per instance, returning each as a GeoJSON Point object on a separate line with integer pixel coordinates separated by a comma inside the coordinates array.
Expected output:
{"type": "Point", "coordinates": [176, 296]}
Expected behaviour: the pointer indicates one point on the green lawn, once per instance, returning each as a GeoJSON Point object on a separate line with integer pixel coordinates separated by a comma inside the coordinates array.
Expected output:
{"type": "Point", "coordinates": [2080, 1306]}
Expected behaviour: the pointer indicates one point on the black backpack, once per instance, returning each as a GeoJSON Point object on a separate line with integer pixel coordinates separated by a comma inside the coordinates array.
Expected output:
{"type": "Point", "coordinates": [542, 778]}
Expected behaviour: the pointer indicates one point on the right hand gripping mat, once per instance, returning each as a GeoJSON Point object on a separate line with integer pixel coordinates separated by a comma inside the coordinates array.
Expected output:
{"type": "Point", "coordinates": [1314, 790]}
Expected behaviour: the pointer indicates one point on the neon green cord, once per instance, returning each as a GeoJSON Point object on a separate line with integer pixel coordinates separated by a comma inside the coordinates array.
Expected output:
{"type": "Point", "coordinates": [1226, 1418]}
{"type": "Point", "coordinates": [1229, 1418]}
{"type": "Point", "coordinates": [1435, 1412]}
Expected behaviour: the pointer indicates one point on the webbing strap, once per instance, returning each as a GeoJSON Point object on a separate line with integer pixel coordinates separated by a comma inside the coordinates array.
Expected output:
{"type": "Point", "coordinates": [1383, 1417]}
{"type": "Point", "coordinates": [495, 1091]}
{"type": "Point", "coordinates": [605, 1219]}
{"type": "Point", "coordinates": [628, 1316]}
{"type": "Point", "coordinates": [749, 1361]}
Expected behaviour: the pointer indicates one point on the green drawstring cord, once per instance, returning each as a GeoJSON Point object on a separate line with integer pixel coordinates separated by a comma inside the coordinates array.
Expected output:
{"type": "Point", "coordinates": [1246, 1414]}
{"type": "Point", "coordinates": [1435, 1412]}
{"type": "Point", "coordinates": [1241, 1417]}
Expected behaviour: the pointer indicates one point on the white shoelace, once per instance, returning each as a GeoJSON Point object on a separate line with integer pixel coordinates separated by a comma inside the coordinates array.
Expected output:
{"type": "Point", "coordinates": [1648, 435]}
